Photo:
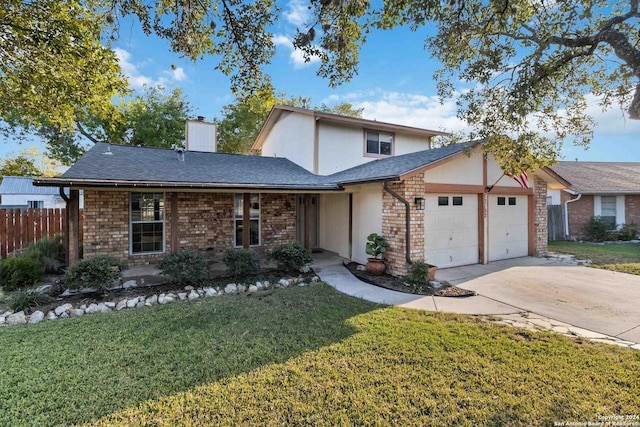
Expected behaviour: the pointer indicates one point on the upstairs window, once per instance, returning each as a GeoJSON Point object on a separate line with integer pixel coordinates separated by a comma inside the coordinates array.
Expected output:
{"type": "Point", "coordinates": [35, 204]}
{"type": "Point", "coordinates": [379, 143]}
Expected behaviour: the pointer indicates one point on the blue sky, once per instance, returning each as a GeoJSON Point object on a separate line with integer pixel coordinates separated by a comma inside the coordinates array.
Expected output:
{"type": "Point", "coordinates": [394, 84]}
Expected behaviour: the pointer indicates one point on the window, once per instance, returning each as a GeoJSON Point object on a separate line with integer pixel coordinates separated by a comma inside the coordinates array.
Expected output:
{"type": "Point", "coordinates": [36, 204]}
{"type": "Point", "coordinates": [457, 201]}
{"type": "Point", "coordinates": [501, 201]}
{"type": "Point", "coordinates": [608, 211]}
{"type": "Point", "coordinates": [443, 201]}
{"type": "Point", "coordinates": [512, 201]}
{"type": "Point", "coordinates": [379, 143]}
{"type": "Point", "coordinates": [147, 222]}
{"type": "Point", "coordinates": [253, 200]}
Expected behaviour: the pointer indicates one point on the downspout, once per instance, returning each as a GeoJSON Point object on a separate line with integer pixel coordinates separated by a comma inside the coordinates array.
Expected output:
{"type": "Point", "coordinates": [407, 220]}
{"type": "Point", "coordinates": [63, 195]}
{"type": "Point", "coordinates": [566, 214]}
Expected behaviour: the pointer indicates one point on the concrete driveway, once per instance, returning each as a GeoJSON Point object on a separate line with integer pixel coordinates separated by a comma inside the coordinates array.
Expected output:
{"type": "Point", "coordinates": [597, 300]}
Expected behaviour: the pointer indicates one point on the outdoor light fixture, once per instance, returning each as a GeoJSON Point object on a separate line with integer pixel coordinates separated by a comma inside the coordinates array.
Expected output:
{"type": "Point", "coordinates": [419, 201]}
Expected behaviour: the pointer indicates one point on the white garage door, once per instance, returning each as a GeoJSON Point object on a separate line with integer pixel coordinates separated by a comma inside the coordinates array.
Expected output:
{"type": "Point", "coordinates": [508, 227]}
{"type": "Point", "coordinates": [451, 230]}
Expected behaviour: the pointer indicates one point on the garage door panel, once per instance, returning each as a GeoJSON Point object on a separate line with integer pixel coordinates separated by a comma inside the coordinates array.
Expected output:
{"type": "Point", "coordinates": [451, 232]}
{"type": "Point", "coordinates": [508, 234]}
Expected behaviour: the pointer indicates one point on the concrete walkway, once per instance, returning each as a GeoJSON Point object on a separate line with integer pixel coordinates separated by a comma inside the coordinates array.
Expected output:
{"type": "Point", "coordinates": [330, 268]}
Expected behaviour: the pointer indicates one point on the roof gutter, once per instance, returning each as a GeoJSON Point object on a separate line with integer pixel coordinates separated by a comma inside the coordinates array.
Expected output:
{"type": "Point", "coordinates": [407, 220]}
{"type": "Point", "coordinates": [63, 195]}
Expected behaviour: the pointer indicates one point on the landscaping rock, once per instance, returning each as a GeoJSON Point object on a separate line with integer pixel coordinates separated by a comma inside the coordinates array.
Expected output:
{"type": "Point", "coordinates": [64, 315]}
{"type": "Point", "coordinates": [152, 300]}
{"type": "Point", "coordinates": [140, 304]}
{"type": "Point", "coordinates": [284, 283]}
{"type": "Point", "coordinates": [210, 292]}
{"type": "Point", "coordinates": [18, 318]}
{"type": "Point", "coordinates": [2, 320]}
{"type": "Point", "coordinates": [91, 309]}
{"type": "Point", "coordinates": [169, 298]}
{"type": "Point", "coordinates": [188, 288]}
{"type": "Point", "coordinates": [36, 317]}
{"type": "Point", "coordinates": [102, 308]}
{"type": "Point", "coordinates": [259, 285]}
{"type": "Point", "coordinates": [305, 269]}
{"type": "Point", "coordinates": [161, 299]}
{"type": "Point", "coordinates": [83, 307]}
{"type": "Point", "coordinates": [132, 302]}
{"type": "Point", "coordinates": [253, 288]}
{"type": "Point", "coordinates": [121, 304]}
{"type": "Point", "coordinates": [76, 312]}
{"type": "Point", "coordinates": [193, 295]}
{"type": "Point", "coordinates": [182, 296]}
{"type": "Point", "coordinates": [44, 288]}
{"type": "Point", "coordinates": [51, 316]}
{"type": "Point", "coordinates": [129, 284]}
{"type": "Point", "coordinates": [242, 288]}
{"type": "Point", "coordinates": [302, 283]}
{"type": "Point", "coordinates": [62, 309]}
{"type": "Point", "coordinates": [110, 304]}
{"type": "Point", "coordinates": [315, 279]}
{"type": "Point", "coordinates": [231, 288]}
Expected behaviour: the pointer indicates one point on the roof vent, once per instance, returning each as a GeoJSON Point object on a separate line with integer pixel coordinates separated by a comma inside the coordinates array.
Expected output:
{"type": "Point", "coordinates": [180, 152]}
{"type": "Point", "coordinates": [201, 118]}
{"type": "Point", "coordinates": [108, 152]}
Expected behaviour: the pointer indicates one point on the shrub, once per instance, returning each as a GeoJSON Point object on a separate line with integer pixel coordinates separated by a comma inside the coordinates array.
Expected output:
{"type": "Point", "coordinates": [19, 273]}
{"type": "Point", "coordinates": [26, 299]}
{"type": "Point", "coordinates": [628, 232]}
{"type": "Point", "coordinates": [290, 257]}
{"type": "Point", "coordinates": [49, 252]}
{"type": "Point", "coordinates": [419, 272]}
{"type": "Point", "coordinates": [597, 229]}
{"type": "Point", "coordinates": [242, 262]}
{"type": "Point", "coordinates": [98, 272]}
{"type": "Point", "coordinates": [184, 267]}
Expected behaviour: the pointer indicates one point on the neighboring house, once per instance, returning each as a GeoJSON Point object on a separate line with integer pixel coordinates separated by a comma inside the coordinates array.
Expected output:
{"type": "Point", "coordinates": [19, 192]}
{"type": "Point", "coordinates": [324, 180]}
{"type": "Point", "coordinates": [610, 190]}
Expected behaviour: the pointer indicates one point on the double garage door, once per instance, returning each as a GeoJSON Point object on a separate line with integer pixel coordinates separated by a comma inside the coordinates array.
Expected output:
{"type": "Point", "coordinates": [452, 228]}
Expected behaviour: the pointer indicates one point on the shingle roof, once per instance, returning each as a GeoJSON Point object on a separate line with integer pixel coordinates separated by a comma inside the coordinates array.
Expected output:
{"type": "Point", "coordinates": [157, 165]}
{"type": "Point", "coordinates": [601, 177]}
{"type": "Point", "coordinates": [394, 167]}
{"type": "Point", "coordinates": [144, 166]}
{"type": "Point", "coordinates": [24, 185]}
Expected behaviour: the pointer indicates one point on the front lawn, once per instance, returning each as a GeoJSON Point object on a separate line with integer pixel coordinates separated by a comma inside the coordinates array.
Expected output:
{"type": "Point", "coordinates": [622, 257]}
{"type": "Point", "coordinates": [304, 356]}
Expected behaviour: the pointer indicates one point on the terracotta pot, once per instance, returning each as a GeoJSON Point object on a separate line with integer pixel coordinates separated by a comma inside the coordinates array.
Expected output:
{"type": "Point", "coordinates": [431, 273]}
{"type": "Point", "coordinates": [375, 266]}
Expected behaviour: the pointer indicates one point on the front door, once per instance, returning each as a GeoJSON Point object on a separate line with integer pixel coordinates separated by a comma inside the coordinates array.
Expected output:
{"type": "Point", "coordinates": [307, 220]}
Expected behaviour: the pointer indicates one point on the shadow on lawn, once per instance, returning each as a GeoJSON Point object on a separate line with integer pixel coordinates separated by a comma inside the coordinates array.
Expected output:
{"type": "Point", "coordinates": [76, 370]}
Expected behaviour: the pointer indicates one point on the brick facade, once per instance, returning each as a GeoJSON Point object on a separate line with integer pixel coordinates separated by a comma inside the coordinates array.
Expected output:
{"type": "Point", "coordinates": [540, 216]}
{"type": "Point", "coordinates": [579, 213]}
{"type": "Point", "coordinates": [394, 224]}
{"type": "Point", "coordinates": [204, 222]}
{"type": "Point", "coordinates": [632, 208]}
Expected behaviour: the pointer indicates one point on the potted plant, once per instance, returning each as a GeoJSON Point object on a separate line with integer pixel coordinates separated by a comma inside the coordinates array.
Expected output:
{"type": "Point", "coordinates": [375, 247]}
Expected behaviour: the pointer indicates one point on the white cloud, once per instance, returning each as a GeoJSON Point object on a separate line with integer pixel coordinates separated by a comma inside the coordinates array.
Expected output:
{"type": "Point", "coordinates": [137, 79]}
{"type": "Point", "coordinates": [296, 57]}
{"type": "Point", "coordinates": [298, 13]}
{"type": "Point", "coordinates": [409, 109]}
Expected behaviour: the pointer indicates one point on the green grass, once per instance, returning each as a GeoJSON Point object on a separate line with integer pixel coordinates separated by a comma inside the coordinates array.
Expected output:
{"type": "Point", "coordinates": [304, 356]}
{"type": "Point", "coordinates": [622, 257]}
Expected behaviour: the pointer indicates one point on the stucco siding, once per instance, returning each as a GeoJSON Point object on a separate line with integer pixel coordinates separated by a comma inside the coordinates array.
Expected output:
{"type": "Point", "coordinates": [367, 218]}
{"type": "Point", "coordinates": [334, 223]}
{"type": "Point", "coordinates": [462, 170]}
{"type": "Point", "coordinates": [292, 138]}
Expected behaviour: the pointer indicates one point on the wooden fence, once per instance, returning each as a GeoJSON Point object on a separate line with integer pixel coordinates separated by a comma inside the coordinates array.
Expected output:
{"type": "Point", "coordinates": [21, 227]}
{"type": "Point", "coordinates": [555, 222]}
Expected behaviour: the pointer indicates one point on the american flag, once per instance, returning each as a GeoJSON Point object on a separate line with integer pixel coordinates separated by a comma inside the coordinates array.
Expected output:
{"type": "Point", "coordinates": [522, 179]}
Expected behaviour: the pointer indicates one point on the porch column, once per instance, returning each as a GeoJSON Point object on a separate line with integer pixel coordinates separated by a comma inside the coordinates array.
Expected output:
{"type": "Point", "coordinates": [73, 227]}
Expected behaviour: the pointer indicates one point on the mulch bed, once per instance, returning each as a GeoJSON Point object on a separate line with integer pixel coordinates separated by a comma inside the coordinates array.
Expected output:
{"type": "Point", "coordinates": [400, 284]}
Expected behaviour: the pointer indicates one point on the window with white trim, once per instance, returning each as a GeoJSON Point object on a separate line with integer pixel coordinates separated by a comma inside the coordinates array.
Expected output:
{"type": "Point", "coordinates": [379, 143]}
{"type": "Point", "coordinates": [36, 204]}
{"type": "Point", "coordinates": [608, 211]}
{"type": "Point", "coordinates": [147, 223]}
{"type": "Point", "coordinates": [254, 219]}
